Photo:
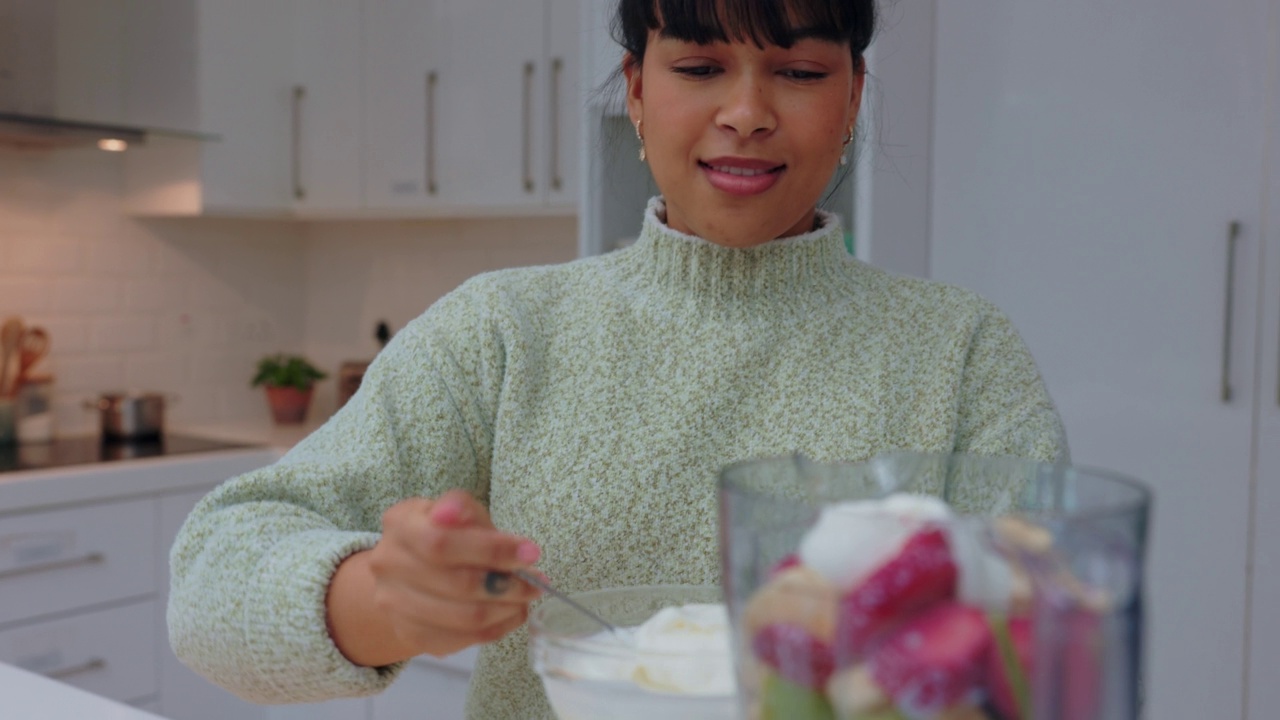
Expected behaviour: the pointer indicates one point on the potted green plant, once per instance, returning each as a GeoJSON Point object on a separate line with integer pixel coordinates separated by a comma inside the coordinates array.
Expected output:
{"type": "Point", "coordinates": [290, 381]}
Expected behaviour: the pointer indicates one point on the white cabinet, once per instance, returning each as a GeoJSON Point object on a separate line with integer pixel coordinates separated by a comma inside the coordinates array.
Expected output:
{"type": "Point", "coordinates": [279, 82]}
{"type": "Point", "coordinates": [1088, 168]}
{"type": "Point", "coordinates": [400, 84]}
{"type": "Point", "coordinates": [470, 106]}
{"type": "Point", "coordinates": [106, 652]}
{"type": "Point", "coordinates": [1264, 631]}
{"type": "Point", "coordinates": [219, 67]}
{"type": "Point", "coordinates": [60, 560]}
{"type": "Point", "coordinates": [326, 163]}
{"type": "Point", "coordinates": [425, 689]}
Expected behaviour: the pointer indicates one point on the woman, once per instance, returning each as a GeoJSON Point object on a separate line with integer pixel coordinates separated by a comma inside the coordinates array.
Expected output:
{"type": "Point", "coordinates": [583, 409]}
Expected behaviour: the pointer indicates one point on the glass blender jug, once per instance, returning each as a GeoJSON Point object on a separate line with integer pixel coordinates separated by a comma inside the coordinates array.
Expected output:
{"type": "Point", "coordinates": [917, 586]}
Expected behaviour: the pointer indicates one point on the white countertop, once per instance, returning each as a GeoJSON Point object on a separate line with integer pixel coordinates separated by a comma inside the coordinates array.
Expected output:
{"type": "Point", "coordinates": [279, 437]}
{"type": "Point", "coordinates": [33, 697]}
{"type": "Point", "coordinates": [30, 489]}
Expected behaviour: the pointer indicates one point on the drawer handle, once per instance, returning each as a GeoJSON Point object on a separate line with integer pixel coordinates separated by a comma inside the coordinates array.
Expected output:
{"type": "Point", "coordinates": [90, 559]}
{"type": "Point", "coordinates": [84, 667]}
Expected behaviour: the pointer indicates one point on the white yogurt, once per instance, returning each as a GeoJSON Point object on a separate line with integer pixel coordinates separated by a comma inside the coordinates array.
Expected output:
{"type": "Point", "coordinates": [852, 539]}
{"type": "Point", "coordinates": [682, 650]}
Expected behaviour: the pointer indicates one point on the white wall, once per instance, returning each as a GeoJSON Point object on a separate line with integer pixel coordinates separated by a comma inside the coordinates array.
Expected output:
{"type": "Point", "coordinates": [361, 272]}
{"type": "Point", "coordinates": [188, 306]}
{"type": "Point", "coordinates": [180, 306]}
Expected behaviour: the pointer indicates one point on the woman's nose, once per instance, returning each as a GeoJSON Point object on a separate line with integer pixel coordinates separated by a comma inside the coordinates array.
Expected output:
{"type": "Point", "coordinates": [747, 109]}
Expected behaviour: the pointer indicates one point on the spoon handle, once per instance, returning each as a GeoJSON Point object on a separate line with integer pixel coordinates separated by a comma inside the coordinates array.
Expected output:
{"type": "Point", "coordinates": [546, 587]}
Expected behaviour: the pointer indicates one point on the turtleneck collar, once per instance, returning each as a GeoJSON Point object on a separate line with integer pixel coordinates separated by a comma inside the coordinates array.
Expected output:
{"type": "Point", "coordinates": [787, 273]}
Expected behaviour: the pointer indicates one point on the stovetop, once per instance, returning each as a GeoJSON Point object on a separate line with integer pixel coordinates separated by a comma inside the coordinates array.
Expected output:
{"type": "Point", "coordinates": [65, 452]}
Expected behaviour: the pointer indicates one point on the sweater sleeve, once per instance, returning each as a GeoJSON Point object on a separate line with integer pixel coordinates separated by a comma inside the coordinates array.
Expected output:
{"type": "Point", "coordinates": [252, 563]}
{"type": "Point", "coordinates": [1004, 408]}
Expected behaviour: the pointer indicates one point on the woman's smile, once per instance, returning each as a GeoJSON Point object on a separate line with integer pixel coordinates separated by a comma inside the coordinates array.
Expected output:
{"type": "Point", "coordinates": [741, 176]}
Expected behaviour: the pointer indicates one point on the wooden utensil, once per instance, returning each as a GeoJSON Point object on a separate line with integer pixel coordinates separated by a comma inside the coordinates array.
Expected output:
{"type": "Point", "coordinates": [10, 339]}
{"type": "Point", "coordinates": [34, 346]}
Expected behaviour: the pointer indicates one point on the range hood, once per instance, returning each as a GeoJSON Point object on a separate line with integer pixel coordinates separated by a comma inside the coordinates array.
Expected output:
{"type": "Point", "coordinates": [39, 131]}
{"type": "Point", "coordinates": [64, 78]}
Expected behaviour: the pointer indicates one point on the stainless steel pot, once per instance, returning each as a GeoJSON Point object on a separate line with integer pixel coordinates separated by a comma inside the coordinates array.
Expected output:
{"type": "Point", "coordinates": [131, 415]}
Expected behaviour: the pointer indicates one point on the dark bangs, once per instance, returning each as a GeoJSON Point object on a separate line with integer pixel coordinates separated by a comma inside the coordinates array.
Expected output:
{"type": "Point", "coordinates": [763, 22]}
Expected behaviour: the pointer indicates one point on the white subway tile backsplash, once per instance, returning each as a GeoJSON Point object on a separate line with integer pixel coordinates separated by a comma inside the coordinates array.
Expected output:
{"type": "Point", "coordinates": [123, 334]}
{"type": "Point", "coordinates": [166, 372]}
{"type": "Point", "coordinates": [85, 295]}
{"type": "Point", "coordinates": [90, 373]}
{"type": "Point", "coordinates": [222, 368]}
{"type": "Point", "coordinates": [20, 295]}
{"type": "Point", "coordinates": [42, 254]}
{"type": "Point", "coordinates": [68, 335]}
{"type": "Point", "coordinates": [153, 294]}
{"type": "Point", "coordinates": [123, 255]}
{"type": "Point", "coordinates": [188, 306]}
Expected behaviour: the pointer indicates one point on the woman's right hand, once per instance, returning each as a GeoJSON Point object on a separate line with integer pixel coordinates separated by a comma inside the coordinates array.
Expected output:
{"type": "Point", "coordinates": [426, 583]}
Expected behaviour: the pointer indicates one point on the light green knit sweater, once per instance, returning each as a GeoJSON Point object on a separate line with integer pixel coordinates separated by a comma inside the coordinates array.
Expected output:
{"type": "Point", "coordinates": [590, 405]}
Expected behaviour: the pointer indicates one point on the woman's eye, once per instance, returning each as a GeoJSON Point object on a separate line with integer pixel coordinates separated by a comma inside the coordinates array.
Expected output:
{"type": "Point", "coordinates": [698, 71]}
{"type": "Point", "coordinates": [804, 74]}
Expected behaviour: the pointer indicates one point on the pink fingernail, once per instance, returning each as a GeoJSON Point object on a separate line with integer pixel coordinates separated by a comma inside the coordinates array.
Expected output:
{"type": "Point", "coordinates": [528, 553]}
{"type": "Point", "coordinates": [448, 511]}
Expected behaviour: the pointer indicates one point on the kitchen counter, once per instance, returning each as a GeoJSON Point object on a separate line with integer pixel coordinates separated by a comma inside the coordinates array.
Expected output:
{"type": "Point", "coordinates": [263, 443]}
{"type": "Point", "coordinates": [33, 697]}
{"type": "Point", "coordinates": [26, 490]}
{"type": "Point", "coordinates": [278, 437]}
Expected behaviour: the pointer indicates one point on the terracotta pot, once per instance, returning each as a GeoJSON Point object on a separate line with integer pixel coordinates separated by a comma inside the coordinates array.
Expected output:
{"type": "Point", "coordinates": [289, 404]}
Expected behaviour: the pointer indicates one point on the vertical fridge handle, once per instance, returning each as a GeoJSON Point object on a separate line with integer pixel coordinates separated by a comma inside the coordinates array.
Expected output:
{"type": "Point", "coordinates": [433, 79]}
{"type": "Point", "coordinates": [557, 69]}
{"type": "Point", "coordinates": [1233, 237]}
{"type": "Point", "coordinates": [526, 149]}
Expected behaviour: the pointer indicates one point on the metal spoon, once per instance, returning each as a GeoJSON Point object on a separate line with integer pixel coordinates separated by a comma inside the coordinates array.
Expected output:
{"type": "Point", "coordinates": [546, 587]}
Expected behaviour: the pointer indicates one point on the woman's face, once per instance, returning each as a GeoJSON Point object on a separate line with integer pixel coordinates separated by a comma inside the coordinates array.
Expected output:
{"type": "Point", "coordinates": [743, 140]}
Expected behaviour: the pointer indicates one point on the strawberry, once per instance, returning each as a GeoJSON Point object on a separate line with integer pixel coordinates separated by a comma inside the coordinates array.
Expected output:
{"type": "Point", "coordinates": [1082, 680]}
{"type": "Point", "coordinates": [935, 660]}
{"type": "Point", "coordinates": [795, 654]}
{"type": "Point", "coordinates": [922, 574]}
{"type": "Point", "coordinates": [1002, 685]}
{"type": "Point", "coordinates": [785, 563]}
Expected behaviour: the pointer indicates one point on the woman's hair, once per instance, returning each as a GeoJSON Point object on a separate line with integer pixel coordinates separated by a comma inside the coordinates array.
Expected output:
{"type": "Point", "coordinates": [763, 22]}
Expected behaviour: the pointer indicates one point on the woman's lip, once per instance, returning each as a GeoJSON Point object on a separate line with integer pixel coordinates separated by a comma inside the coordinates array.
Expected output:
{"type": "Point", "coordinates": [742, 184]}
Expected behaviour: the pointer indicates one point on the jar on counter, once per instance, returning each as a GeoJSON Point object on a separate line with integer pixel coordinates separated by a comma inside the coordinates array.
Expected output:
{"type": "Point", "coordinates": [34, 410]}
{"type": "Point", "coordinates": [8, 422]}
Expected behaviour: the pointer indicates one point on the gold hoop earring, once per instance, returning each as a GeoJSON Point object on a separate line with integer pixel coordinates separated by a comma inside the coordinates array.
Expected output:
{"type": "Point", "coordinates": [640, 137]}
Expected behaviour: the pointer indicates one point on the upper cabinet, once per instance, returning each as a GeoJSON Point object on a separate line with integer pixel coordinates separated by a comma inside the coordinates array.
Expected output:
{"type": "Point", "coordinates": [472, 106]}
{"type": "Point", "coordinates": [326, 159]}
{"type": "Point", "coordinates": [380, 108]}
{"type": "Point", "coordinates": [219, 67]}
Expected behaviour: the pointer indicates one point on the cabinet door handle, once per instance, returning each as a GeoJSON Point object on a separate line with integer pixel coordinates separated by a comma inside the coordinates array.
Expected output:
{"type": "Point", "coordinates": [432, 79]}
{"type": "Point", "coordinates": [1233, 237]}
{"type": "Point", "coordinates": [557, 69]}
{"type": "Point", "coordinates": [299, 192]}
{"type": "Point", "coordinates": [90, 559]}
{"type": "Point", "coordinates": [71, 670]}
{"type": "Point", "coordinates": [527, 142]}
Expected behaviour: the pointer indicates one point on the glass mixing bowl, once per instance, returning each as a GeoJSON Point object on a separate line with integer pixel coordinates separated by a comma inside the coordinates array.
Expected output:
{"type": "Point", "coordinates": [590, 674]}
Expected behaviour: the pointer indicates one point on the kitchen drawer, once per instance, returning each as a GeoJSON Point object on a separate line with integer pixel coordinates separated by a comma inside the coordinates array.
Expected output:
{"type": "Point", "coordinates": [111, 653]}
{"type": "Point", "coordinates": [67, 559]}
